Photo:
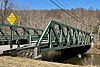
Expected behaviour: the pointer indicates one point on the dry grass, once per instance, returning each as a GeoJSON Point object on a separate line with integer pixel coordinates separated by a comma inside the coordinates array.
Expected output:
{"type": "Point", "coordinates": [7, 61]}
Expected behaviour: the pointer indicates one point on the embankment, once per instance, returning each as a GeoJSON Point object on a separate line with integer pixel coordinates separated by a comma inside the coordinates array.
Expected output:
{"type": "Point", "coordinates": [95, 49]}
{"type": "Point", "coordinates": [7, 61]}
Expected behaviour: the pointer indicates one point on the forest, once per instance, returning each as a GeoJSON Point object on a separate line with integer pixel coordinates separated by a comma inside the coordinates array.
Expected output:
{"type": "Point", "coordinates": [89, 19]}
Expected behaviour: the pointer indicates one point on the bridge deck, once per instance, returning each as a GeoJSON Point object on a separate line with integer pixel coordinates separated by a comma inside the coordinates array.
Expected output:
{"type": "Point", "coordinates": [7, 47]}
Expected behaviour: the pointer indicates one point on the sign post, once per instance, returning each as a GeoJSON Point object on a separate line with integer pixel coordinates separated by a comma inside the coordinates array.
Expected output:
{"type": "Point", "coordinates": [11, 19]}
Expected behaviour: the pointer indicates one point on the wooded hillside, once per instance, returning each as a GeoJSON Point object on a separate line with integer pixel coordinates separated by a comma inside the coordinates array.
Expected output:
{"type": "Point", "coordinates": [40, 18]}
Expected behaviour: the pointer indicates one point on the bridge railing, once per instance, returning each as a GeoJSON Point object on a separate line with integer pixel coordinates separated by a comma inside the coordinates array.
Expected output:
{"type": "Point", "coordinates": [61, 36]}
{"type": "Point", "coordinates": [18, 33]}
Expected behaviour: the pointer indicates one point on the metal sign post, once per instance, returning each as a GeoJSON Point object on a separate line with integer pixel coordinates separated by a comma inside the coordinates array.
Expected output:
{"type": "Point", "coordinates": [11, 19]}
{"type": "Point", "coordinates": [11, 46]}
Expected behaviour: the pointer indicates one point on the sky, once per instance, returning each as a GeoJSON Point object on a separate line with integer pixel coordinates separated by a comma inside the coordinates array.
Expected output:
{"type": "Point", "coordinates": [47, 4]}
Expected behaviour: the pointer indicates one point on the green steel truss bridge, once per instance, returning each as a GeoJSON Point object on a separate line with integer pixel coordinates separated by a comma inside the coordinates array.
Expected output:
{"type": "Point", "coordinates": [31, 42]}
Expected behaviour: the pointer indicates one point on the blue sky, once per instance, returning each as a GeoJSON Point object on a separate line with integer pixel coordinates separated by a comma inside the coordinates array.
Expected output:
{"type": "Point", "coordinates": [46, 4]}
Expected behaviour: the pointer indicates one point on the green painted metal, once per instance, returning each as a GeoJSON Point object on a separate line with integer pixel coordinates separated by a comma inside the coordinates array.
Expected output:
{"type": "Point", "coordinates": [25, 33]}
{"type": "Point", "coordinates": [61, 36]}
{"type": "Point", "coordinates": [56, 36]}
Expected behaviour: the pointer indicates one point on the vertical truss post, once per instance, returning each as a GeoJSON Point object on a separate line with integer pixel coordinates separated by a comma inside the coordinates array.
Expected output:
{"type": "Point", "coordinates": [85, 38]}
{"type": "Point", "coordinates": [78, 37]}
{"type": "Point", "coordinates": [82, 38]}
{"type": "Point", "coordinates": [89, 39]}
{"type": "Point", "coordinates": [68, 36]}
{"type": "Point", "coordinates": [82, 35]}
{"type": "Point", "coordinates": [50, 37]}
{"type": "Point", "coordinates": [74, 37]}
{"type": "Point", "coordinates": [61, 36]}
{"type": "Point", "coordinates": [29, 38]}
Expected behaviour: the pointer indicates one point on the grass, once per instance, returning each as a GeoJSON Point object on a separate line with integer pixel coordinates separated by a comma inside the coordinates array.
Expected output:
{"type": "Point", "coordinates": [7, 61]}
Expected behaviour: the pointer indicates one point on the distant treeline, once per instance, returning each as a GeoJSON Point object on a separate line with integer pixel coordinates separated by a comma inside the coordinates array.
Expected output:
{"type": "Point", "coordinates": [40, 18]}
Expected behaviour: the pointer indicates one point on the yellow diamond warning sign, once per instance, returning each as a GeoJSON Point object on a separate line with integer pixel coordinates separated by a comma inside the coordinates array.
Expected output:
{"type": "Point", "coordinates": [11, 18]}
